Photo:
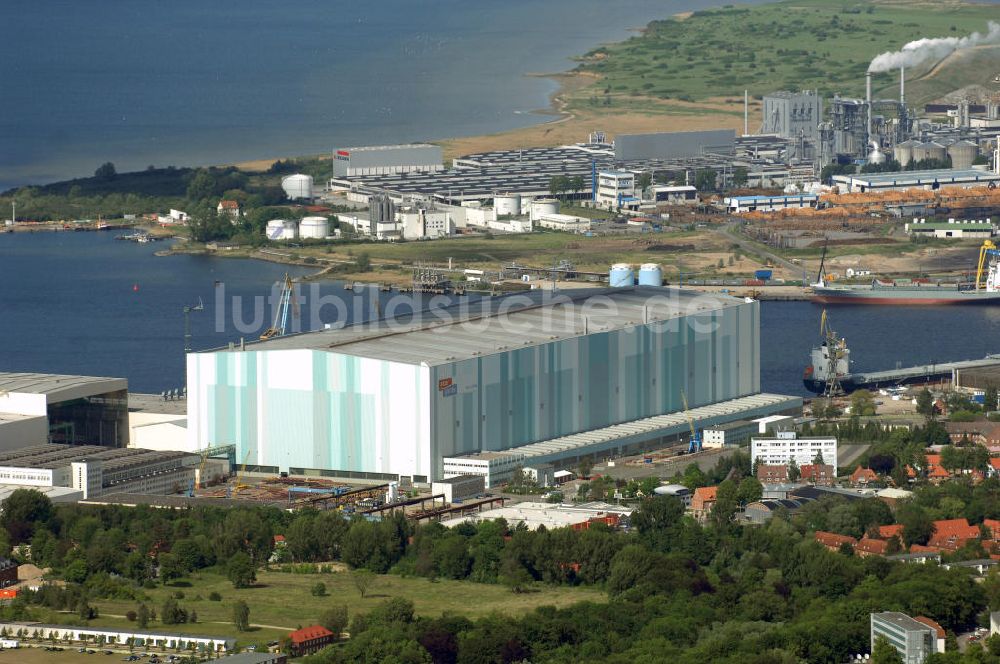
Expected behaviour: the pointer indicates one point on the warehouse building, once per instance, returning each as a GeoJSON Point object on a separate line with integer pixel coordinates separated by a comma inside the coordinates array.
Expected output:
{"type": "Point", "coordinates": [915, 179]}
{"type": "Point", "coordinates": [742, 204]}
{"type": "Point", "coordinates": [39, 408]}
{"type": "Point", "coordinates": [93, 470]}
{"type": "Point", "coordinates": [952, 229]}
{"type": "Point", "coordinates": [551, 376]}
{"type": "Point", "coordinates": [387, 160]}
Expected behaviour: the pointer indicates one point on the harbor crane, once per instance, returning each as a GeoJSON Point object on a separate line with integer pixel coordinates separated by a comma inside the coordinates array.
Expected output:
{"type": "Point", "coordinates": [987, 253]}
{"type": "Point", "coordinates": [836, 354]}
{"type": "Point", "coordinates": [694, 444]}
{"type": "Point", "coordinates": [287, 297]}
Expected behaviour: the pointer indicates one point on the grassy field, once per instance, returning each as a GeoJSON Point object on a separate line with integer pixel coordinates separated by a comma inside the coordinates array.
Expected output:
{"type": "Point", "coordinates": [793, 44]}
{"type": "Point", "coordinates": [282, 602]}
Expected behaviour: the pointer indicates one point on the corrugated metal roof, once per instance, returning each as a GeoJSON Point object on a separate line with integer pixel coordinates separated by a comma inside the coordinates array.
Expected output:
{"type": "Point", "coordinates": [649, 425]}
{"type": "Point", "coordinates": [494, 325]}
{"type": "Point", "coordinates": [55, 384]}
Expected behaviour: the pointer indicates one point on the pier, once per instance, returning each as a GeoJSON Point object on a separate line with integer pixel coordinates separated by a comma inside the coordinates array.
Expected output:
{"type": "Point", "coordinates": [928, 372]}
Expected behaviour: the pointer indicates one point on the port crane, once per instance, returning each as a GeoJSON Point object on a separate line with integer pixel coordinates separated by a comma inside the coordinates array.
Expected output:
{"type": "Point", "coordinates": [240, 475]}
{"type": "Point", "coordinates": [836, 353]}
{"type": "Point", "coordinates": [287, 297]}
{"type": "Point", "coordinates": [694, 444]}
{"type": "Point", "coordinates": [988, 254]}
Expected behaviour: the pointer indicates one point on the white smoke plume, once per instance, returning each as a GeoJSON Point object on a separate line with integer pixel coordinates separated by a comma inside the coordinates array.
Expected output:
{"type": "Point", "coordinates": [922, 50]}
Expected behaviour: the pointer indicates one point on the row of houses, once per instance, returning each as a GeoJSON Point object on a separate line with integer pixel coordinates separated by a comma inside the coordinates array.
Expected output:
{"type": "Point", "coordinates": [949, 535]}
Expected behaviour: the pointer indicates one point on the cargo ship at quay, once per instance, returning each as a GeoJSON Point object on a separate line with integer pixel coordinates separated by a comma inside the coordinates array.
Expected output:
{"type": "Point", "coordinates": [985, 290]}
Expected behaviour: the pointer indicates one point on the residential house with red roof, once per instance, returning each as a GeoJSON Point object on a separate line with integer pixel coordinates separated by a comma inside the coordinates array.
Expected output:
{"type": "Point", "coordinates": [888, 532]}
{"type": "Point", "coordinates": [703, 501]}
{"type": "Point", "coordinates": [772, 474]}
{"type": "Point", "coordinates": [833, 541]}
{"type": "Point", "coordinates": [310, 639]}
{"type": "Point", "coordinates": [953, 533]}
{"type": "Point", "coordinates": [871, 547]}
{"type": "Point", "coordinates": [821, 474]}
{"type": "Point", "coordinates": [862, 477]}
{"type": "Point", "coordinates": [232, 208]}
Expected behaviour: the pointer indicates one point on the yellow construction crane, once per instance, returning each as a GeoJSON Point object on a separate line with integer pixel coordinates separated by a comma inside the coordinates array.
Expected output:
{"type": "Point", "coordinates": [241, 473]}
{"type": "Point", "coordinates": [987, 250]}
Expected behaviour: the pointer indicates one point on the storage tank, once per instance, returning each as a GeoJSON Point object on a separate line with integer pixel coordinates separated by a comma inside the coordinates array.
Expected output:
{"type": "Point", "coordinates": [962, 154]}
{"type": "Point", "coordinates": [282, 229]}
{"type": "Point", "coordinates": [650, 274]}
{"type": "Point", "coordinates": [297, 186]}
{"type": "Point", "coordinates": [543, 206]}
{"type": "Point", "coordinates": [507, 204]}
{"type": "Point", "coordinates": [903, 152]}
{"type": "Point", "coordinates": [920, 151]}
{"type": "Point", "coordinates": [621, 276]}
{"type": "Point", "coordinates": [316, 228]}
{"type": "Point", "coordinates": [936, 151]}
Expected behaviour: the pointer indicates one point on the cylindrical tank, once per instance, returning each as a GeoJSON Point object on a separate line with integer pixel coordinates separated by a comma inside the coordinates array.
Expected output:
{"type": "Point", "coordinates": [903, 152]}
{"type": "Point", "coordinates": [297, 186]}
{"type": "Point", "coordinates": [621, 276]}
{"type": "Point", "coordinates": [876, 156]}
{"type": "Point", "coordinates": [543, 206]}
{"type": "Point", "coordinates": [650, 274]}
{"type": "Point", "coordinates": [920, 151]}
{"type": "Point", "coordinates": [507, 204]}
{"type": "Point", "coordinates": [316, 228]}
{"type": "Point", "coordinates": [936, 151]}
{"type": "Point", "coordinates": [962, 154]}
{"type": "Point", "coordinates": [282, 229]}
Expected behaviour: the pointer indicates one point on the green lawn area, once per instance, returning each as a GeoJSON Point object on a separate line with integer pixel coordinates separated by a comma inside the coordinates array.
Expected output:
{"type": "Point", "coordinates": [282, 602]}
{"type": "Point", "coordinates": [791, 45]}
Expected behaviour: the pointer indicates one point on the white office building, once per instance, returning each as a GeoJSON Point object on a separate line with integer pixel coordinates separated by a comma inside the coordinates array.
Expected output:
{"type": "Point", "coordinates": [615, 189]}
{"type": "Point", "coordinates": [495, 468]}
{"type": "Point", "coordinates": [787, 445]}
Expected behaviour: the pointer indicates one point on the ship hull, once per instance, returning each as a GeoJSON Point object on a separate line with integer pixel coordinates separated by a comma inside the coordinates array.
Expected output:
{"type": "Point", "coordinates": [903, 297]}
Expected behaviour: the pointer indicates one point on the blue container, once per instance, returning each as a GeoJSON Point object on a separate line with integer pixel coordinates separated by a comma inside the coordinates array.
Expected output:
{"type": "Point", "coordinates": [763, 274]}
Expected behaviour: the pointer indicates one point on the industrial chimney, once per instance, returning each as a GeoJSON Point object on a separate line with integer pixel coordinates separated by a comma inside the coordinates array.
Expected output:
{"type": "Point", "coordinates": [902, 85]}
{"type": "Point", "coordinates": [868, 101]}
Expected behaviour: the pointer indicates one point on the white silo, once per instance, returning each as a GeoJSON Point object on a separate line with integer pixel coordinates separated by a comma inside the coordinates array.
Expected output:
{"type": "Point", "coordinates": [621, 276]}
{"type": "Point", "coordinates": [936, 151]}
{"type": "Point", "coordinates": [543, 206]}
{"type": "Point", "coordinates": [507, 204]}
{"type": "Point", "coordinates": [962, 154]}
{"type": "Point", "coordinates": [298, 186]}
{"type": "Point", "coordinates": [281, 229]}
{"type": "Point", "coordinates": [903, 152]}
{"type": "Point", "coordinates": [650, 274]}
{"type": "Point", "coordinates": [316, 228]}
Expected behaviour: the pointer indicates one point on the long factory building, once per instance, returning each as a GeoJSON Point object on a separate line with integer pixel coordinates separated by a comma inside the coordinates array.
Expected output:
{"type": "Point", "coordinates": [561, 377]}
{"type": "Point", "coordinates": [528, 171]}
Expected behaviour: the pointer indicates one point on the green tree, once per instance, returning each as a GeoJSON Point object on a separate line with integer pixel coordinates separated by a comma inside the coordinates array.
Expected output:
{"type": "Point", "coordinates": [362, 580]}
{"type": "Point", "coordinates": [241, 571]}
{"type": "Point", "coordinates": [22, 512]}
{"type": "Point", "coordinates": [334, 619]}
{"type": "Point", "coordinates": [862, 403]}
{"type": "Point", "coordinates": [925, 403]}
{"type": "Point", "coordinates": [918, 526]}
{"type": "Point", "coordinates": [793, 471]}
{"type": "Point", "coordinates": [585, 467]}
{"type": "Point", "coordinates": [991, 398]}
{"type": "Point", "coordinates": [142, 616]}
{"type": "Point", "coordinates": [241, 616]}
{"type": "Point", "coordinates": [643, 181]}
{"type": "Point", "coordinates": [884, 652]}
{"type": "Point", "coordinates": [740, 176]}
{"type": "Point", "coordinates": [704, 180]}
{"type": "Point", "coordinates": [363, 262]}
{"type": "Point", "coordinates": [170, 567]}
{"type": "Point", "coordinates": [750, 490]}
{"type": "Point", "coordinates": [318, 590]}
{"type": "Point", "coordinates": [106, 171]}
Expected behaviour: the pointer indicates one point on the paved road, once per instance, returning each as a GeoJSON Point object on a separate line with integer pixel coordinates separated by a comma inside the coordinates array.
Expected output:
{"type": "Point", "coordinates": [848, 454]}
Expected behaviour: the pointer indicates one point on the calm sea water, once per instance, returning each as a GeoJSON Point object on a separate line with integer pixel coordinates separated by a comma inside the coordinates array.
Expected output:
{"type": "Point", "coordinates": [82, 303]}
{"type": "Point", "coordinates": [189, 82]}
